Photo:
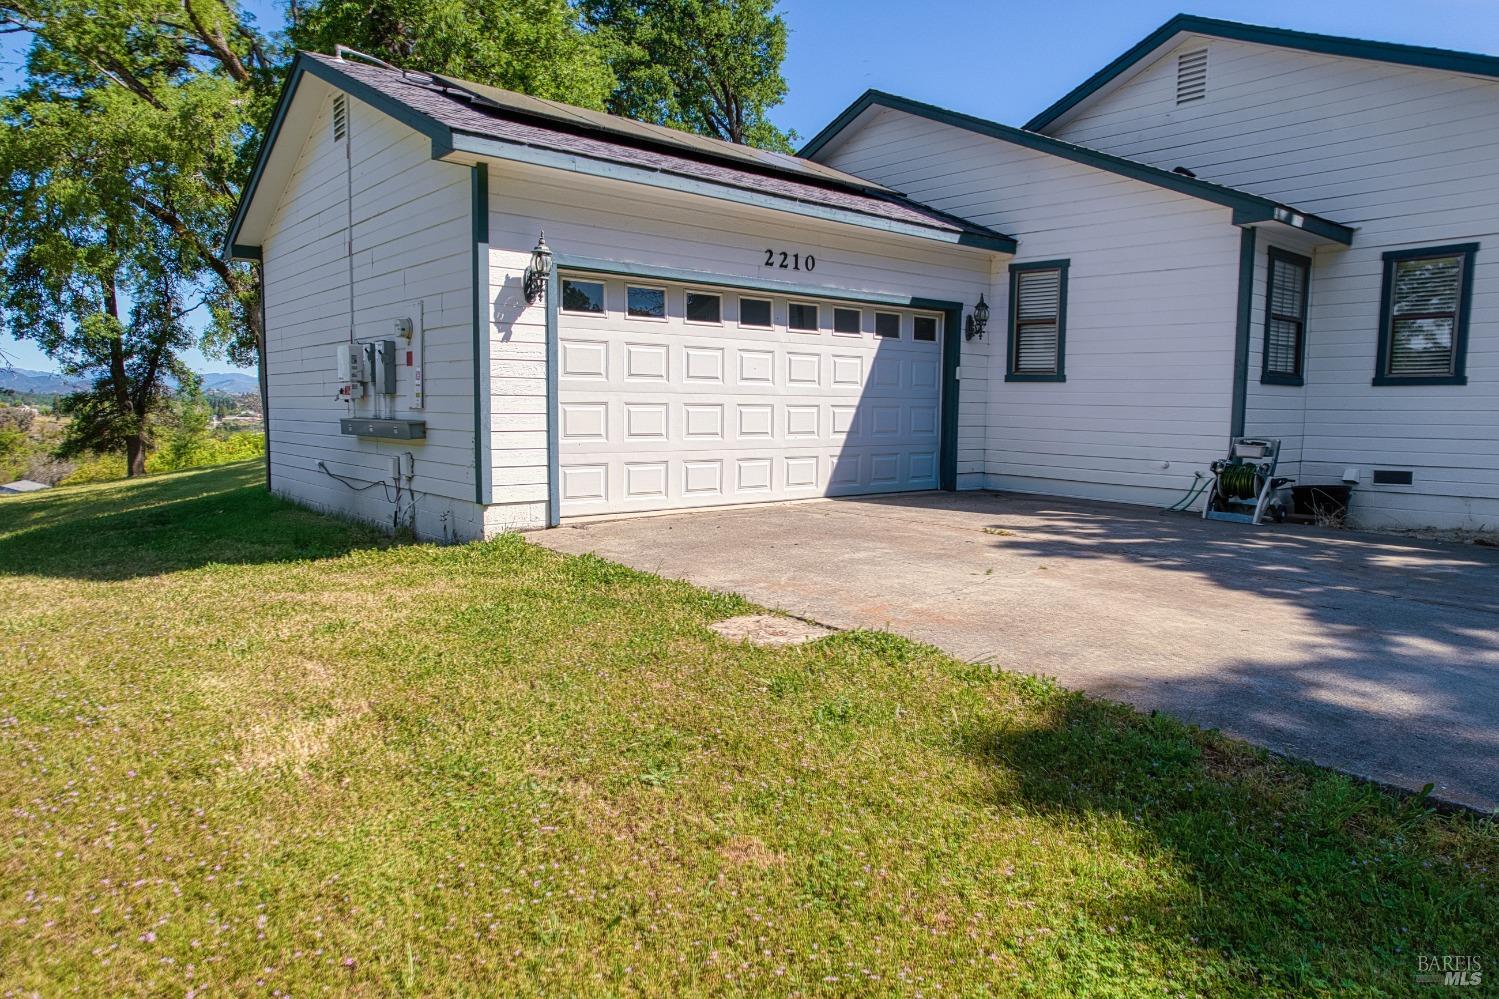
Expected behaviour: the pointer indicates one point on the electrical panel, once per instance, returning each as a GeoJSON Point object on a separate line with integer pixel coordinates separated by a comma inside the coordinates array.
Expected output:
{"type": "Point", "coordinates": [385, 367]}
{"type": "Point", "coordinates": [350, 363]}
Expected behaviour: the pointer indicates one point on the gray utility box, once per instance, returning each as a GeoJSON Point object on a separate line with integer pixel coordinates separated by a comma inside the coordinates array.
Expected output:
{"type": "Point", "coordinates": [396, 430]}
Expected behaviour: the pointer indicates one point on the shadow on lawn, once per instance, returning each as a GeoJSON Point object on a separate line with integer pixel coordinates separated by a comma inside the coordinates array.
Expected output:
{"type": "Point", "coordinates": [1298, 878]}
{"type": "Point", "coordinates": [167, 523]}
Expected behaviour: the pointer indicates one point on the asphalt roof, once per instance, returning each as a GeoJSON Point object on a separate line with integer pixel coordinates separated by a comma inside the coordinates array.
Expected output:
{"type": "Point", "coordinates": [490, 113]}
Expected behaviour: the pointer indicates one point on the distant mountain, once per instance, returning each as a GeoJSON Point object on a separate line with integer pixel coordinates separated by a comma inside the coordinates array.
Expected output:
{"type": "Point", "coordinates": [52, 383]}
{"type": "Point", "coordinates": [39, 382]}
{"type": "Point", "coordinates": [233, 382]}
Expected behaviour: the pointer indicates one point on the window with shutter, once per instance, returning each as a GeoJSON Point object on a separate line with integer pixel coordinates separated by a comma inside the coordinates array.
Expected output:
{"type": "Point", "coordinates": [1038, 321]}
{"type": "Point", "coordinates": [1424, 316]}
{"type": "Point", "coordinates": [1285, 317]}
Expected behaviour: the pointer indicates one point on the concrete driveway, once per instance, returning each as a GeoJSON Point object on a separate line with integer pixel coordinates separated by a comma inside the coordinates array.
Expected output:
{"type": "Point", "coordinates": [1372, 654]}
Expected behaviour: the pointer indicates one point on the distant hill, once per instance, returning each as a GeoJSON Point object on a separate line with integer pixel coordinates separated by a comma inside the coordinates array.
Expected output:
{"type": "Point", "coordinates": [51, 383]}
{"type": "Point", "coordinates": [233, 382]}
{"type": "Point", "coordinates": [39, 382]}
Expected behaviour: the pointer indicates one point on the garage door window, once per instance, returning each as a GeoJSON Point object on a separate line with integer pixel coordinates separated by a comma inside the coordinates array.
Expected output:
{"type": "Point", "coordinates": [645, 303]}
{"type": "Point", "coordinates": [754, 312]}
{"type": "Point", "coordinates": [848, 321]}
{"type": "Point", "coordinates": [583, 296]}
{"type": "Point", "coordinates": [924, 328]}
{"type": "Point", "coordinates": [704, 307]}
{"type": "Point", "coordinates": [887, 325]}
{"type": "Point", "coordinates": [802, 316]}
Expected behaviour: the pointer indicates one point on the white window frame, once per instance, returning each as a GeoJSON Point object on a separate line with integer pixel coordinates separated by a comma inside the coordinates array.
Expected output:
{"type": "Point", "coordinates": [756, 298]}
{"type": "Point", "coordinates": [688, 293]}
{"type": "Point", "coordinates": [562, 296]}
{"type": "Point", "coordinates": [815, 328]}
{"type": "Point", "coordinates": [665, 303]}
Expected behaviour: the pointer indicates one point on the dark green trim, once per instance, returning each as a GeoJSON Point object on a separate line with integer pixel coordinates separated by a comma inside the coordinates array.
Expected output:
{"type": "Point", "coordinates": [952, 357]}
{"type": "Point", "coordinates": [1060, 375]}
{"type": "Point", "coordinates": [1245, 310]}
{"type": "Point", "coordinates": [1298, 377]}
{"type": "Point", "coordinates": [554, 445]}
{"type": "Point", "coordinates": [479, 212]}
{"type": "Point", "coordinates": [1336, 45]}
{"type": "Point", "coordinates": [1313, 224]}
{"type": "Point", "coordinates": [302, 65]}
{"type": "Point", "coordinates": [973, 236]}
{"type": "Point", "coordinates": [1253, 207]}
{"type": "Point", "coordinates": [240, 251]}
{"type": "Point", "coordinates": [1459, 374]}
{"type": "Point", "coordinates": [952, 344]}
{"type": "Point", "coordinates": [265, 379]}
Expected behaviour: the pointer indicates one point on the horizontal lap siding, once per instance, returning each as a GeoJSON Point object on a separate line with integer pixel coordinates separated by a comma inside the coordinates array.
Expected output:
{"type": "Point", "coordinates": [1152, 287]}
{"type": "Point", "coordinates": [619, 221]}
{"type": "Point", "coordinates": [1406, 155]}
{"type": "Point", "coordinates": [411, 259]}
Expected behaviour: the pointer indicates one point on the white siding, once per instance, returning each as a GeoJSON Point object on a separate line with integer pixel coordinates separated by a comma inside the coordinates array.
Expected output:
{"type": "Point", "coordinates": [1152, 298]}
{"type": "Point", "coordinates": [651, 228]}
{"type": "Point", "coordinates": [1410, 157]}
{"type": "Point", "coordinates": [411, 258]}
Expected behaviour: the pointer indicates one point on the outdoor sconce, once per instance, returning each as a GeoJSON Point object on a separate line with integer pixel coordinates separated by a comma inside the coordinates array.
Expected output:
{"type": "Point", "coordinates": [978, 321]}
{"type": "Point", "coordinates": [539, 272]}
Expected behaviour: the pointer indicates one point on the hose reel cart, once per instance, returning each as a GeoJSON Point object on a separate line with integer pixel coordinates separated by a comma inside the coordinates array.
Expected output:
{"type": "Point", "coordinates": [1243, 487]}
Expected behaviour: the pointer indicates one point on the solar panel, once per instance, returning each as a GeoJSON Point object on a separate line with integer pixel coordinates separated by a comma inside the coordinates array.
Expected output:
{"type": "Point", "coordinates": [659, 135]}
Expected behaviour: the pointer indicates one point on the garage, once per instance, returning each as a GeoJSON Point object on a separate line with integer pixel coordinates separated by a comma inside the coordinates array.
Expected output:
{"type": "Point", "coordinates": [672, 396]}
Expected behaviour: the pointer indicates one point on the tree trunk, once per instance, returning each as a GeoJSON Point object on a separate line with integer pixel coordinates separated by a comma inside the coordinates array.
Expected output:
{"type": "Point", "coordinates": [135, 456]}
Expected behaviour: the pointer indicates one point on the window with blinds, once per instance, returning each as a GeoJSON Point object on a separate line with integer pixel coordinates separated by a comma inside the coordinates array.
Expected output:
{"type": "Point", "coordinates": [1038, 304]}
{"type": "Point", "coordinates": [1191, 76]}
{"type": "Point", "coordinates": [1285, 316]}
{"type": "Point", "coordinates": [1424, 322]}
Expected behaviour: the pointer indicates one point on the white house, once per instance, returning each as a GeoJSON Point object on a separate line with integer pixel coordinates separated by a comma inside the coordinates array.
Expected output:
{"type": "Point", "coordinates": [1228, 230]}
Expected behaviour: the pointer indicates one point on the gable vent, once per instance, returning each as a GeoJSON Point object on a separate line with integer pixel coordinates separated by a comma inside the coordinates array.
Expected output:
{"type": "Point", "coordinates": [340, 117]}
{"type": "Point", "coordinates": [1191, 76]}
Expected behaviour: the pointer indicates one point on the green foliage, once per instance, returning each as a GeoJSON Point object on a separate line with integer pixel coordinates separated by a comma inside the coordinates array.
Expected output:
{"type": "Point", "coordinates": [184, 439]}
{"type": "Point", "coordinates": [121, 158]}
{"type": "Point", "coordinates": [533, 46]}
{"type": "Point", "coordinates": [213, 449]}
{"type": "Point", "coordinates": [706, 66]}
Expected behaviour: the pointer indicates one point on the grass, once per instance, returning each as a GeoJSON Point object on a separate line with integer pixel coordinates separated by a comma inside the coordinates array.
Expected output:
{"type": "Point", "coordinates": [244, 748]}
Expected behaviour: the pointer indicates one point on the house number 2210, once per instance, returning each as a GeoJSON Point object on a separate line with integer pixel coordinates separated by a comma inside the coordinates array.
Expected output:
{"type": "Point", "coordinates": [781, 260]}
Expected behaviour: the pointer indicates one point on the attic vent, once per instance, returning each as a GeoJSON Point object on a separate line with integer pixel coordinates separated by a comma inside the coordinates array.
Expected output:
{"type": "Point", "coordinates": [340, 117]}
{"type": "Point", "coordinates": [1191, 76]}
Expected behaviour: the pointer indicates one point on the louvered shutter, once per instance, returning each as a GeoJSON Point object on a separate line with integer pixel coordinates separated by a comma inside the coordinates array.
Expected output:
{"type": "Point", "coordinates": [1423, 315]}
{"type": "Point", "coordinates": [1038, 307]}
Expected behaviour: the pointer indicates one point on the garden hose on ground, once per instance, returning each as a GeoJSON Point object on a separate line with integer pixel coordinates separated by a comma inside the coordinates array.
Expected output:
{"type": "Point", "coordinates": [1199, 483]}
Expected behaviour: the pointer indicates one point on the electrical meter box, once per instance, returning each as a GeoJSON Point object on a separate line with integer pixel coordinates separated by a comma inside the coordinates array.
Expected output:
{"type": "Point", "coordinates": [351, 364]}
{"type": "Point", "coordinates": [385, 367]}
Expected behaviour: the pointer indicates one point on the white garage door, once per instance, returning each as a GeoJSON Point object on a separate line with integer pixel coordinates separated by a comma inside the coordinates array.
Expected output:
{"type": "Point", "coordinates": [674, 397]}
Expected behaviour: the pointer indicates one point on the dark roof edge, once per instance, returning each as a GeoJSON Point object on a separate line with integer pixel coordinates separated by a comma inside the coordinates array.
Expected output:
{"type": "Point", "coordinates": [301, 65]}
{"type": "Point", "coordinates": [1247, 207]}
{"type": "Point", "coordinates": [969, 233]}
{"type": "Point", "coordinates": [1337, 45]}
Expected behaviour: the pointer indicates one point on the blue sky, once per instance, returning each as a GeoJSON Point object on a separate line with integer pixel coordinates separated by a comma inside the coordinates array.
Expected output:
{"type": "Point", "coordinates": [1000, 60]}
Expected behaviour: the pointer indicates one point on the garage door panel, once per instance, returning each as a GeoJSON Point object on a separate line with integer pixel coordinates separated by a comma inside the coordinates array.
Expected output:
{"type": "Point", "coordinates": [657, 414]}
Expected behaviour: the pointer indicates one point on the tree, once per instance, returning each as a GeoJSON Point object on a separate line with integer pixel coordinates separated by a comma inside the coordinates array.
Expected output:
{"type": "Point", "coordinates": [121, 161]}
{"type": "Point", "coordinates": [533, 46]}
{"type": "Point", "coordinates": [707, 66]}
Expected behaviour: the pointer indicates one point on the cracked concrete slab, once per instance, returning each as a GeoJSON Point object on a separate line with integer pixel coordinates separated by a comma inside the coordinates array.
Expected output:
{"type": "Point", "coordinates": [1375, 654]}
{"type": "Point", "coordinates": [769, 629]}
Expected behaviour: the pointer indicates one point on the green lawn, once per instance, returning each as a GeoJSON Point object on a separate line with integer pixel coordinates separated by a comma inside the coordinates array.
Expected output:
{"type": "Point", "coordinates": [244, 748]}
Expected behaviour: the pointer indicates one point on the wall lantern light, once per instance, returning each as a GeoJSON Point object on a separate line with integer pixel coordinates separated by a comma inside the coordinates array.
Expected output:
{"type": "Point", "coordinates": [978, 321]}
{"type": "Point", "coordinates": [539, 272]}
